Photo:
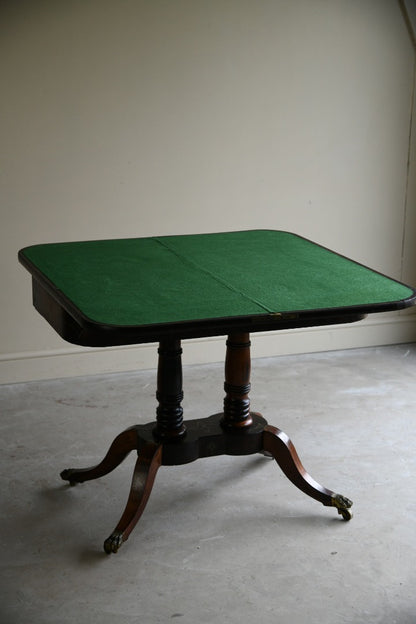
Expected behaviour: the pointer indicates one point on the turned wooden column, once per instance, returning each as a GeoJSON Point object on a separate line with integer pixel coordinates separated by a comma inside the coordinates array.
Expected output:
{"type": "Point", "coordinates": [169, 413]}
{"type": "Point", "coordinates": [237, 382]}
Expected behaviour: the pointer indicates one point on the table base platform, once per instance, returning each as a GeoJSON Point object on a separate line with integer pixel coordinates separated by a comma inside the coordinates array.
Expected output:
{"type": "Point", "coordinates": [170, 441]}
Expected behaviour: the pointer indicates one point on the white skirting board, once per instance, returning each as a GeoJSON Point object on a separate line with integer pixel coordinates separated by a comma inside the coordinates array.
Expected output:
{"type": "Point", "coordinates": [72, 361]}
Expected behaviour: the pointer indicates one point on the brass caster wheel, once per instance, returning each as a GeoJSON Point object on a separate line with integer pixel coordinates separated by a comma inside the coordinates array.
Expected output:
{"type": "Point", "coordinates": [346, 514]}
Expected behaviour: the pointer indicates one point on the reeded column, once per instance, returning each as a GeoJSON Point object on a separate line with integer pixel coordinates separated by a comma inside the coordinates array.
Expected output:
{"type": "Point", "coordinates": [237, 382]}
{"type": "Point", "coordinates": [169, 413]}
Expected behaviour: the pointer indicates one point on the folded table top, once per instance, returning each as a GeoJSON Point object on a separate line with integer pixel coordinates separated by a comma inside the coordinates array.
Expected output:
{"type": "Point", "coordinates": [126, 291]}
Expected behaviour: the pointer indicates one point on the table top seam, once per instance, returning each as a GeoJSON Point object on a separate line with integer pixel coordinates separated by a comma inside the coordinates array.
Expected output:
{"type": "Point", "coordinates": [213, 275]}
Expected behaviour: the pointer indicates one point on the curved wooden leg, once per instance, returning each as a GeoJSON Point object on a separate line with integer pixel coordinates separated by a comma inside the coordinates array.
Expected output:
{"type": "Point", "coordinates": [147, 465]}
{"type": "Point", "coordinates": [122, 445]}
{"type": "Point", "coordinates": [277, 443]}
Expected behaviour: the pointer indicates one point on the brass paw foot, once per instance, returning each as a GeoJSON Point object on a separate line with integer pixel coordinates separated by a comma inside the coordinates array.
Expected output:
{"type": "Point", "coordinates": [113, 543]}
{"type": "Point", "coordinates": [67, 474]}
{"type": "Point", "coordinates": [343, 504]}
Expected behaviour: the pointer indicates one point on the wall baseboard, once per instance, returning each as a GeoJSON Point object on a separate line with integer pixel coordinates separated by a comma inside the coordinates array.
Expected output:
{"type": "Point", "coordinates": [75, 361]}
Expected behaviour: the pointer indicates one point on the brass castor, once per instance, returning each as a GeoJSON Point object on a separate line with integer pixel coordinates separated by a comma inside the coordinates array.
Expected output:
{"type": "Point", "coordinates": [343, 504]}
{"type": "Point", "coordinates": [113, 543]}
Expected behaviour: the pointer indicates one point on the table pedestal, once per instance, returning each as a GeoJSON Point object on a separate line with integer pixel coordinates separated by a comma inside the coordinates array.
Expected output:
{"type": "Point", "coordinates": [170, 441]}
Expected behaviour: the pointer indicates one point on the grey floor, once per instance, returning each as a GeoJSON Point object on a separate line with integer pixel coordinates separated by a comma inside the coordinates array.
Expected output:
{"type": "Point", "coordinates": [226, 539]}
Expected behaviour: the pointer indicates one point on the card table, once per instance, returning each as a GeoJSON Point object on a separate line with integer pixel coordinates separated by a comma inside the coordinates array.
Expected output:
{"type": "Point", "coordinates": [166, 289]}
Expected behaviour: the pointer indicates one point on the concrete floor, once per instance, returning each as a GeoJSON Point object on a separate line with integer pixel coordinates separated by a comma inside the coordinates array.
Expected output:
{"type": "Point", "coordinates": [225, 539]}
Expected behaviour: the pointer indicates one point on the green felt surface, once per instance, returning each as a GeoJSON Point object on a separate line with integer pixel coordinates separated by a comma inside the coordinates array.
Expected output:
{"type": "Point", "coordinates": [166, 279]}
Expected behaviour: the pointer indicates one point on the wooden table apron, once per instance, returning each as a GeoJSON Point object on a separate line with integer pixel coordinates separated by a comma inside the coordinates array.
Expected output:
{"type": "Point", "coordinates": [165, 289]}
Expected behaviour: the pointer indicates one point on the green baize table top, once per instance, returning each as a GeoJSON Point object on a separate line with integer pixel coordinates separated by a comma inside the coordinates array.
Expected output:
{"type": "Point", "coordinates": [176, 279]}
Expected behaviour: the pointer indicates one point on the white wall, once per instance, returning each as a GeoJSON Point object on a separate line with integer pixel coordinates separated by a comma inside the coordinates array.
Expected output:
{"type": "Point", "coordinates": [140, 117]}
